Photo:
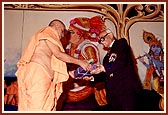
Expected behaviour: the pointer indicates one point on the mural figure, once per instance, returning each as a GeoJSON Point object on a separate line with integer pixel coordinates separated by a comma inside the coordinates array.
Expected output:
{"type": "Point", "coordinates": [11, 95]}
{"type": "Point", "coordinates": [82, 45]}
{"type": "Point", "coordinates": [154, 78]}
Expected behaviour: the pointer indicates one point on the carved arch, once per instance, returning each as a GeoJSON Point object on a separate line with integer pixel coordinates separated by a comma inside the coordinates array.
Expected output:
{"type": "Point", "coordinates": [122, 15]}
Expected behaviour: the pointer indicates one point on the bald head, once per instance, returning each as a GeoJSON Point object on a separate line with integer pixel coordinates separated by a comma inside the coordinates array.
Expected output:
{"type": "Point", "coordinates": [107, 31]}
{"type": "Point", "coordinates": [59, 26]}
{"type": "Point", "coordinates": [55, 22]}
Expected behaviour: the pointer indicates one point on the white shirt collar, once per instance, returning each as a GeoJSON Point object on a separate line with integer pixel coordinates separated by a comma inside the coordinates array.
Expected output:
{"type": "Point", "coordinates": [112, 43]}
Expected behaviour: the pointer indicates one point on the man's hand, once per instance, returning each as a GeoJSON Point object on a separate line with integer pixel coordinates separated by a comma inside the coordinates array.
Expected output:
{"type": "Point", "coordinates": [71, 73]}
{"type": "Point", "coordinates": [88, 78]}
{"type": "Point", "coordinates": [99, 69]}
{"type": "Point", "coordinates": [84, 64]}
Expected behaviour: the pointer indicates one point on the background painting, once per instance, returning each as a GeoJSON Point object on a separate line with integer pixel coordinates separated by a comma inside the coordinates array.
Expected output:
{"type": "Point", "coordinates": [21, 21]}
{"type": "Point", "coordinates": [138, 45]}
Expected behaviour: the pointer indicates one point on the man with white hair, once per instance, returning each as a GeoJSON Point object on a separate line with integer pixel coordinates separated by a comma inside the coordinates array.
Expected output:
{"type": "Point", "coordinates": [118, 71]}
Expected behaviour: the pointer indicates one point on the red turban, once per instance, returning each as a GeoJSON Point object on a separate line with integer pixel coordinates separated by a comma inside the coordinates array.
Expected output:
{"type": "Point", "coordinates": [89, 27]}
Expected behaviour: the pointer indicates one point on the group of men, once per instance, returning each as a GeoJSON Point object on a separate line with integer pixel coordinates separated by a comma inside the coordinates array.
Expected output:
{"type": "Point", "coordinates": [46, 62]}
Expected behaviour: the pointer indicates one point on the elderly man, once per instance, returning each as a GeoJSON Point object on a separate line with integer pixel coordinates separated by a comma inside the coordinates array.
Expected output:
{"type": "Point", "coordinates": [118, 71]}
{"type": "Point", "coordinates": [42, 69]}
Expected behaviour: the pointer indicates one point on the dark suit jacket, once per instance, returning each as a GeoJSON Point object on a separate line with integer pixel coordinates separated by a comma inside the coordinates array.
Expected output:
{"type": "Point", "coordinates": [120, 77]}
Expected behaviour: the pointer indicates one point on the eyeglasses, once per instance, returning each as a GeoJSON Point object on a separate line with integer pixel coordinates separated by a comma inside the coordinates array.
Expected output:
{"type": "Point", "coordinates": [102, 38]}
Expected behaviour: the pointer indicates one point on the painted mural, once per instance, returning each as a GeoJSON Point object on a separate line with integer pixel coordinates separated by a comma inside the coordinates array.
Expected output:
{"type": "Point", "coordinates": [11, 57]}
{"type": "Point", "coordinates": [126, 20]}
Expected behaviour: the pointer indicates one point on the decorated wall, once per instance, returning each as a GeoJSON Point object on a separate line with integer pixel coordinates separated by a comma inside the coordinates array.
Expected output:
{"type": "Point", "coordinates": [130, 21]}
